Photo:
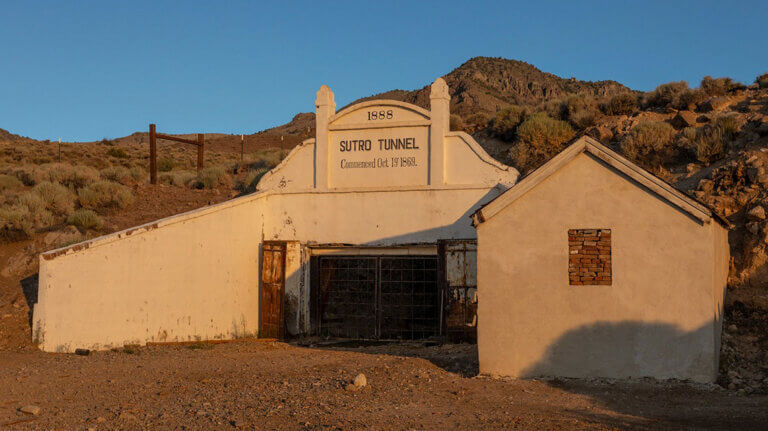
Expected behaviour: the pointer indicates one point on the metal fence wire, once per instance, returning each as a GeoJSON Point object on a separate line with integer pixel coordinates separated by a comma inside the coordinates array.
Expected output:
{"type": "Point", "coordinates": [379, 297]}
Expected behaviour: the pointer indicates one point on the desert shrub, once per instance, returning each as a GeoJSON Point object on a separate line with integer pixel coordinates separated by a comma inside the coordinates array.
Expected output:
{"type": "Point", "coordinates": [23, 218]}
{"type": "Point", "coordinates": [118, 174]}
{"type": "Point", "coordinates": [710, 145]}
{"type": "Point", "coordinates": [729, 125]}
{"type": "Point", "coordinates": [716, 86]}
{"type": "Point", "coordinates": [32, 202]}
{"type": "Point", "coordinates": [85, 219]}
{"type": "Point", "coordinates": [15, 223]}
{"type": "Point", "coordinates": [665, 94]}
{"type": "Point", "coordinates": [138, 173]}
{"type": "Point", "coordinates": [9, 182]}
{"type": "Point", "coordinates": [762, 80]}
{"type": "Point", "coordinates": [540, 137]}
{"type": "Point", "coordinates": [29, 174]}
{"type": "Point", "coordinates": [689, 133]}
{"type": "Point", "coordinates": [212, 177]}
{"type": "Point", "coordinates": [56, 197]}
{"type": "Point", "coordinates": [649, 143]}
{"type": "Point", "coordinates": [268, 158]}
{"type": "Point", "coordinates": [477, 120]}
{"type": "Point", "coordinates": [57, 172]}
{"type": "Point", "coordinates": [106, 141]}
{"type": "Point", "coordinates": [573, 104]}
{"type": "Point", "coordinates": [688, 99]}
{"type": "Point", "coordinates": [71, 176]}
{"type": "Point", "coordinates": [177, 178]}
{"type": "Point", "coordinates": [105, 194]}
{"type": "Point", "coordinates": [117, 152]}
{"type": "Point", "coordinates": [82, 176]}
{"type": "Point", "coordinates": [252, 180]}
{"type": "Point", "coordinates": [456, 123]}
{"type": "Point", "coordinates": [504, 125]}
{"type": "Point", "coordinates": [165, 165]}
{"type": "Point", "coordinates": [620, 104]}
{"type": "Point", "coordinates": [584, 118]}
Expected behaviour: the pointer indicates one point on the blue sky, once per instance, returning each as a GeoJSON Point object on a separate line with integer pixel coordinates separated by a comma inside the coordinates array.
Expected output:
{"type": "Point", "coordinates": [84, 70]}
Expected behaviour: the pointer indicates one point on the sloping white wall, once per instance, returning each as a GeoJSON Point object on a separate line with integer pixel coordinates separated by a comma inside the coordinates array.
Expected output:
{"type": "Point", "coordinates": [188, 277]}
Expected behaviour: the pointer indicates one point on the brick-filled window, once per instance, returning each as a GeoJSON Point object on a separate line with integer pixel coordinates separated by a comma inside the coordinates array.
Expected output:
{"type": "Point", "coordinates": [589, 257]}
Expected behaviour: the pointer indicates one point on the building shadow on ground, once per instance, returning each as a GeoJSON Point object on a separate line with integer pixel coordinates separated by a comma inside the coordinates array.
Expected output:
{"type": "Point", "coordinates": [631, 352]}
{"type": "Point", "coordinates": [639, 402]}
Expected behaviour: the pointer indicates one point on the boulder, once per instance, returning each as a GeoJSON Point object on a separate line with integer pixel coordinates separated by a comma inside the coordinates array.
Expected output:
{"type": "Point", "coordinates": [601, 133]}
{"type": "Point", "coordinates": [683, 119]}
{"type": "Point", "coordinates": [714, 104]}
{"type": "Point", "coordinates": [757, 213]}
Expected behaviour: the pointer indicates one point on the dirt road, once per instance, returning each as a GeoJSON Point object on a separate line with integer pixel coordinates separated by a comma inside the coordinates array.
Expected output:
{"type": "Point", "coordinates": [257, 385]}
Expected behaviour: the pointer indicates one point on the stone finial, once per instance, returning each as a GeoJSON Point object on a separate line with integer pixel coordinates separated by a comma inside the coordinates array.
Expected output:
{"type": "Point", "coordinates": [439, 90]}
{"type": "Point", "coordinates": [325, 98]}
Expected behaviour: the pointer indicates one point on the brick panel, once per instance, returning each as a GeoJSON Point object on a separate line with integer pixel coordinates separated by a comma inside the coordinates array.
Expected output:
{"type": "Point", "coordinates": [589, 257]}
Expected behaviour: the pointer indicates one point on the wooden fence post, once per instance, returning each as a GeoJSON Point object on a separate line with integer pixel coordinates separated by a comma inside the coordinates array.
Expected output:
{"type": "Point", "coordinates": [200, 149]}
{"type": "Point", "coordinates": [152, 155]}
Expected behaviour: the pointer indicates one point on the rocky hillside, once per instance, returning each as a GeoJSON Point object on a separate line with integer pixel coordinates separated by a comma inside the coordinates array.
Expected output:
{"type": "Point", "coordinates": [483, 86]}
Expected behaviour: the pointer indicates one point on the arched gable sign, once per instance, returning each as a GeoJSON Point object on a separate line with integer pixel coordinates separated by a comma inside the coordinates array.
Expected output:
{"type": "Point", "coordinates": [380, 143]}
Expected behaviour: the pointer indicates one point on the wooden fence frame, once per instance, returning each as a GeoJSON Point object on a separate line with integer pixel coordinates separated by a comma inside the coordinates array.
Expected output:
{"type": "Point", "coordinates": [154, 136]}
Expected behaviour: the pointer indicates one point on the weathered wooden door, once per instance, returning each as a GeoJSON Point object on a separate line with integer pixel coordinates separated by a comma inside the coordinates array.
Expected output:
{"type": "Point", "coordinates": [271, 323]}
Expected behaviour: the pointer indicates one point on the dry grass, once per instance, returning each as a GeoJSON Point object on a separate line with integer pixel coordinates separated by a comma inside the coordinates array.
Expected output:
{"type": "Point", "coordinates": [9, 182]}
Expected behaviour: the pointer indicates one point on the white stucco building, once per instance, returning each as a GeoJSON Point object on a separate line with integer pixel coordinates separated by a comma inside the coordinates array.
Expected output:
{"type": "Point", "coordinates": [362, 232]}
{"type": "Point", "coordinates": [590, 266]}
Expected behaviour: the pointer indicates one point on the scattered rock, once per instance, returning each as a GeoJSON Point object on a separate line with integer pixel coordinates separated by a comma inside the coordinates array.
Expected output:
{"type": "Point", "coordinates": [753, 227]}
{"type": "Point", "coordinates": [707, 186]}
{"type": "Point", "coordinates": [360, 380]}
{"type": "Point", "coordinates": [31, 409]}
{"type": "Point", "coordinates": [757, 213]}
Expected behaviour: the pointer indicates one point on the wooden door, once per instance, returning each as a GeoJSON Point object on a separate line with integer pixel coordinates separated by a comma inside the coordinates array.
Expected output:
{"type": "Point", "coordinates": [271, 324]}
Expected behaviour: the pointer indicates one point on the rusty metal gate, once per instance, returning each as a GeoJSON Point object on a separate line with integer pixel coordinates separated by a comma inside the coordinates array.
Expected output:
{"type": "Point", "coordinates": [460, 287]}
{"type": "Point", "coordinates": [272, 290]}
{"type": "Point", "coordinates": [377, 297]}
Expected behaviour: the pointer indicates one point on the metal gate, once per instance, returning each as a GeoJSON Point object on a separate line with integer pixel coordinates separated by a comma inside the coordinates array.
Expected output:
{"type": "Point", "coordinates": [272, 290]}
{"type": "Point", "coordinates": [378, 297]}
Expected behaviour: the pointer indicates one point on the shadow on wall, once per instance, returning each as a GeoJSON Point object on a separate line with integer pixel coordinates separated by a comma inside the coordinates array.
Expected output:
{"type": "Point", "coordinates": [461, 228]}
{"type": "Point", "coordinates": [630, 349]}
{"type": "Point", "coordinates": [29, 286]}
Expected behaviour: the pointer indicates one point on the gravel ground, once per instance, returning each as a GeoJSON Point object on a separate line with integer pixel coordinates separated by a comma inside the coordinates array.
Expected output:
{"type": "Point", "coordinates": [267, 385]}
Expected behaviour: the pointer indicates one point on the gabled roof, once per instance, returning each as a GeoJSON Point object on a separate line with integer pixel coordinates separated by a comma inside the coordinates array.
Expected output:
{"type": "Point", "coordinates": [585, 144]}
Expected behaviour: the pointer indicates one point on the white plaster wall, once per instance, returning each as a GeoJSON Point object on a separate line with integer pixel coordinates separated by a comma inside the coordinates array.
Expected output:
{"type": "Point", "coordinates": [188, 277]}
{"type": "Point", "coordinates": [395, 216]}
{"type": "Point", "coordinates": [660, 318]}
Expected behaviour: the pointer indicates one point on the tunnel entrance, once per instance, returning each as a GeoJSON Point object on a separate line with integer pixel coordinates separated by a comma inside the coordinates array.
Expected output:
{"type": "Point", "coordinates": [377, 297]}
